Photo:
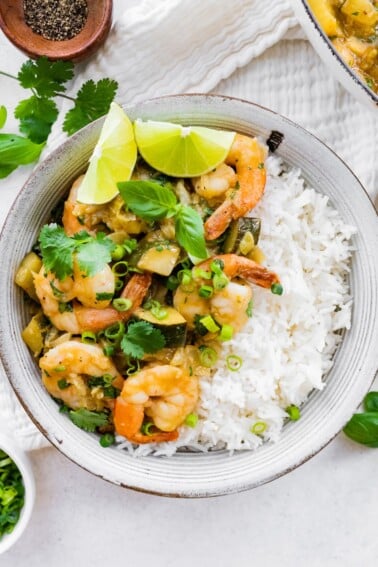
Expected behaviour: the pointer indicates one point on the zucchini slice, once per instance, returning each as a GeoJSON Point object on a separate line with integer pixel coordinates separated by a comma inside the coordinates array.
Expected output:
{"type": "Point", "coordinates": [173, 326]}
{"type": "Point", "coordinates": [242, 235]}
{"type": "Point", "coordinates": [155, 254]}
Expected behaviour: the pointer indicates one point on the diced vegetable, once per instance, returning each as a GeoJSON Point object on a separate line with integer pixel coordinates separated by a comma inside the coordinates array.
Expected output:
{"type": "Point", "coordinates": [242, 236]}
{"type": "Point", "coordinates": [325, 14]}
{"type": "Point", "coordinates": [173, 326]}
{"type": "Point", "coordinates": [24, 276]}
{"type": "Point", "coordinates": [361, 11]}
{"type": "Point", "coordinates": [156, 255]}
{"type": "Point", "coordinates": [34, 333]}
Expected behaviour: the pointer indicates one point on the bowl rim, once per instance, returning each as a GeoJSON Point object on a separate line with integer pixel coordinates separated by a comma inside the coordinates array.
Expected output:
{"type": "Point", "coordinates": [51, 158]}
{"type": "Point", "coordinates": [350, 74]}
{"type": "Point", "coordinates": [22, 461]}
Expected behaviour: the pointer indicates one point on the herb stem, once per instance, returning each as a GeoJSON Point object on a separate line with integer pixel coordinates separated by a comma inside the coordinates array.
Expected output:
{"type": "Point", "coordinates": [8, 75]}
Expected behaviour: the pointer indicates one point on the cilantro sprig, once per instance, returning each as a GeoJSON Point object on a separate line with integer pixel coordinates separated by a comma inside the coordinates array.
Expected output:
{"type": "Point", "coordinates": [47, 80]}
{"type": "Point", "coordinates": [11, 494]}
{"type": "Point", "coordinates": [141, 337]}
{"type": "Point", "coordinates": [88, 420]}
{"type": "Point", "coordinates": [58, 249]}
{"type": "Point", "coordinates": [152, 201]}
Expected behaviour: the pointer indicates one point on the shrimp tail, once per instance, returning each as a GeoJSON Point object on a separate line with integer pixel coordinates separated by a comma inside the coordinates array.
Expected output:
{"type": "Point", "coordinates": [217, 223]}
{"type": "Point", "coordinates": [239, 266]}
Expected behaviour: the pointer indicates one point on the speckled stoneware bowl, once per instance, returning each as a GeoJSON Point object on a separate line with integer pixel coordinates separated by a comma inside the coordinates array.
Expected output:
{"type": "Point", "coordinates": [339, 69]}
{"type": "Point", "coordinates": [325, 413]}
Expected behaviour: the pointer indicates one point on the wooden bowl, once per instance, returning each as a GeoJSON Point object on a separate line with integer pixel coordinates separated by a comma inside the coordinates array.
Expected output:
{"type": "Point", "coordinates": [86, 42]}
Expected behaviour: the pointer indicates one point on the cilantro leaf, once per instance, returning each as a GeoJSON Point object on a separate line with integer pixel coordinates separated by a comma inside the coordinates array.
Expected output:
{"type": "Point", "coordinates": [190, 232]}
{"type": "Point", "coordinates": [95, 254]}
{"type": "Point", "coordinates": [92, 101]}
{"type": "Point", "coordinates": [45, 77]}
{"type": "Point", "coordinates": [3, 116]}
{"type": "Point", "coordinates": [88, 420]}
{"type": "Point", "coordinates": [141, 338]}
{"type": "Point", "coordinates": [57, 250]}
{"type": "Point", "coordinates": [148, 199]}
{"type": "Point", "coordinates": [36, 116]}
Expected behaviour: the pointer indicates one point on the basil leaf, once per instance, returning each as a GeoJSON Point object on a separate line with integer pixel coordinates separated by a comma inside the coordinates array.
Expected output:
{"type": "Point", "coordinates": [3, 116]}
{"type": "Point", "coordinates": [363, 428]}
{"type": "Point", "coordinates": [147, 199]}
{"type": "Point", "coordinates": [6, 169]}
{"type": "Point", "coordinates": [190, 232]}
{"type": "Point", "coordinates": [371, 402]}
{"type": "Point", "coordinates": [17, 150]}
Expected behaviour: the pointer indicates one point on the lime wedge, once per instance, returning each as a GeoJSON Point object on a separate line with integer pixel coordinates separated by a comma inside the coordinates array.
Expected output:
{"type": "Point", "coordinates": [181, 151]}
{"type": "Point", "coordinates": [113, 159]}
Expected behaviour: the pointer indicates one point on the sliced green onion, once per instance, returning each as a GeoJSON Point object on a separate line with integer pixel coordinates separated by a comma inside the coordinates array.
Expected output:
{"type": "Point", "coordinates": [208, 356]}
{"type": "Point", "coordinates": [108, 350]}
{"type": "Point", "coordinates": [122, 303]}
{"type": "Point", "coordinates": [88, 337]}
{"type": "Point", "coordinates": [220, 281]}
{"type": "Point", "coordinates": [60, 368]}
{"type": "Point", "coordinates": [293, 412]}
{"type": "Point", "coordinates": [205, 291]}
{"type": "Point", "coordinates": [118, 253]}
{"type": "Point", "coordinates": [198, 273]}
{"type": "Point", "coordinates": [146, 428]}
{"type": "Point", "coordinates": [107, 439]}
{"type": "Point", "coordinates": [217, 266]}
{"type": "Point", "coordinates": [249, 308]}
{"type": "Point", "coordinates": [130, 245]}
{"type": "Point", "coordinates": [63, 384]}
{"type": "Point", "coordinates": [191, 420]}
{"type": "Point", "coordinates": [120, 268]}
{"type": "Point", "coordinates": [118, 284]}
{"type": "Point", "coordinates": [108, 379]}
{"type": "Point", "coordinates": [172, 283]}
{"type": "Point", "coordinates": [233, 362]}
{"type": "Point", "coordinates": [258, 428]}
{"type": "Point", "coordinates": [115, 332]}
{"type": "Point", "coordinates": [209, 324]}
{"type": "Point", "coordinates": [276, 288]}
{"type": "Point", "coordinates": [134, 367]}
{"type": "Point", "coordinates": [185, 277]}
{"type": "Point", "coordinates": [226, 333]}
{"type": "Point", "coordinates": [103, 296]}
{"type": "Point", "coordinates": [159, 312]}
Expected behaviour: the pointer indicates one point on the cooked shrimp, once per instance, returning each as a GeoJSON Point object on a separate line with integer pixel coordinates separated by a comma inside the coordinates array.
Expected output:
{"type": "Point", "coordinates": [87, 289]}
{"type": "Point", "coordinates": [165, 393]}
{"type": "Point", "coordinates": [76, 362]}
{"type": "Point", "coordinates": [247, 156]}
{"type": "Point", "coordinates": [228, 305]}
{"type": "Point", "coordinates": [212, 186]}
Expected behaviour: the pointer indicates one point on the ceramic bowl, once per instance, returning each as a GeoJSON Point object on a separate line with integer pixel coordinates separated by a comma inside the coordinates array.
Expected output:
{"type": "Point", "coordinates": [84, 44]}
{"type": "Point", "coordinates": [337, 66]}
{"type": "Point", "coordinates": [9, 445]}
{"type": "Point", "coordinates": [325, 413]}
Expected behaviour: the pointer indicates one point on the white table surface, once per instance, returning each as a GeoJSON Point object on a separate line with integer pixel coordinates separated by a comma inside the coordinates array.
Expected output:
{"type": "Point", "coordinates": [325, 513]}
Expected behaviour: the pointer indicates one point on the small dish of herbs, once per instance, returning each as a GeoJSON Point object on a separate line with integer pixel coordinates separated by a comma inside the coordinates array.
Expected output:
{"type": "Point", "coordinates": [17, 492]}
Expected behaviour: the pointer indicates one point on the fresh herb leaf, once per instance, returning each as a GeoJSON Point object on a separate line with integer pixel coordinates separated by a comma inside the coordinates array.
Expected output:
{"type": "Point", "coordinates": [141, 338]}
{"type": "Point", "coordinates": [190, 232]}
{"type": "Point", "coordinates": [36, 115]}
{"type": "Point", "coordinates": [5, 170]}
{"type": "Point", "coordinates": [147, 199]}
{"type": "Point", "coordinates": [371, 401]}
{"type": "Point", "coordinates": [92, 101]}
{"type": "Point", "coordinates": [3, 116]}
{"type": "Point", "coordinates": [57, 250]}
{"type": "Point", "coordinates": [363, 428]}
{"type": "Point", "coordinates": [46, 78]}
{"type": "Point", "coordinates": [11, 494]}
{"type": "Point", "coordinates": [94, 254]}
{"type": "Point", "coordinates": [17, 150]}
{"type": "Point", "coordinates": [88, 420]}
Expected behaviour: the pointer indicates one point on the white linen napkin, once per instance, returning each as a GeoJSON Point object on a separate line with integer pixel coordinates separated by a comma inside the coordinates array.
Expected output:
{"type": "Point", "coordinates": [176, 46]}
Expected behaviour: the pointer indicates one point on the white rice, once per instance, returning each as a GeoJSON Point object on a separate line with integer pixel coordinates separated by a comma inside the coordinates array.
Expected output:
{"type": "Point", "coordinates": [288, 344]}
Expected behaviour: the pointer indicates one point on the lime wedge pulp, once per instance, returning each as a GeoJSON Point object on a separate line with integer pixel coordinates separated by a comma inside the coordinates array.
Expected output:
{"type": "Point", "coordinates": [112, 161]}
{"type": "Point", "coordinates": [181, 151]}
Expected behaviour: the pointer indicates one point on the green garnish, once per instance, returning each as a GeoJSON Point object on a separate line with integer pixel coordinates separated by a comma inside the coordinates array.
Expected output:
{"type": "Point", "coordinates": [156, 309]}
{"type": "Point", "coordinates": [363, 427]}
{"type": "Point", "coordinates": [118, 253]}
{"type": "Point", "coordinates": [234, 362]}
{"type": "Point", "coordinates": [11, 494]}
{"type": "Point", "coordinates": [88, 337]}
{"type": "Point", "coordinates": [120, 268]}
{"type": "Point", "coordinates": [258, 428]}
{"type": "Point", "coordinates": [88, 420]}
{"type": "Point", "coordinates": [16, 150]}
{"type": "Point", "coordinates": [122, 304]}
{"type": "Point", "coordinates": [141, 338]}
{"type": "Point", "coordinates": [107, 439]}
{"type": "Point", "coordinates": [146, 428]}
{"type": "Point", "coordinates": [293, 412]}
{"type": "Point", "coordinates": [208, 356]}
{"type": "Point", "coordinates": [63, 384]}
{"type": "Point", "coordinates": [60, 368]}
{"type": "Point", "coordinates": [206, 291]}
{"type": "Point", "coordinates": [261, 165]}
{"type": "Point", "coordinates": [151, 201]}
{"type": "Point", "coordinates": [276, 288]}
{"type": "Point", "coordinates": [249, 308]}
{"type": "Point", "coordinates": [209, 324]}
{"type": "Point", "coordinates": [172, 283]}
{"type": "Point", "coordinates": [103, 295]}
{"type": "Point", "coordinates": [108, 350]}
{"type": "Point", "coordinates": [115, 332]}
{"type": "Point", "coordinates": [191, 420]}
{"type": "Point", "coordinates": [58, 249]}
{"type": "Point", "coordinates": [3, 116]}
{"type": "Point", "coordinates": [226, 333]}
